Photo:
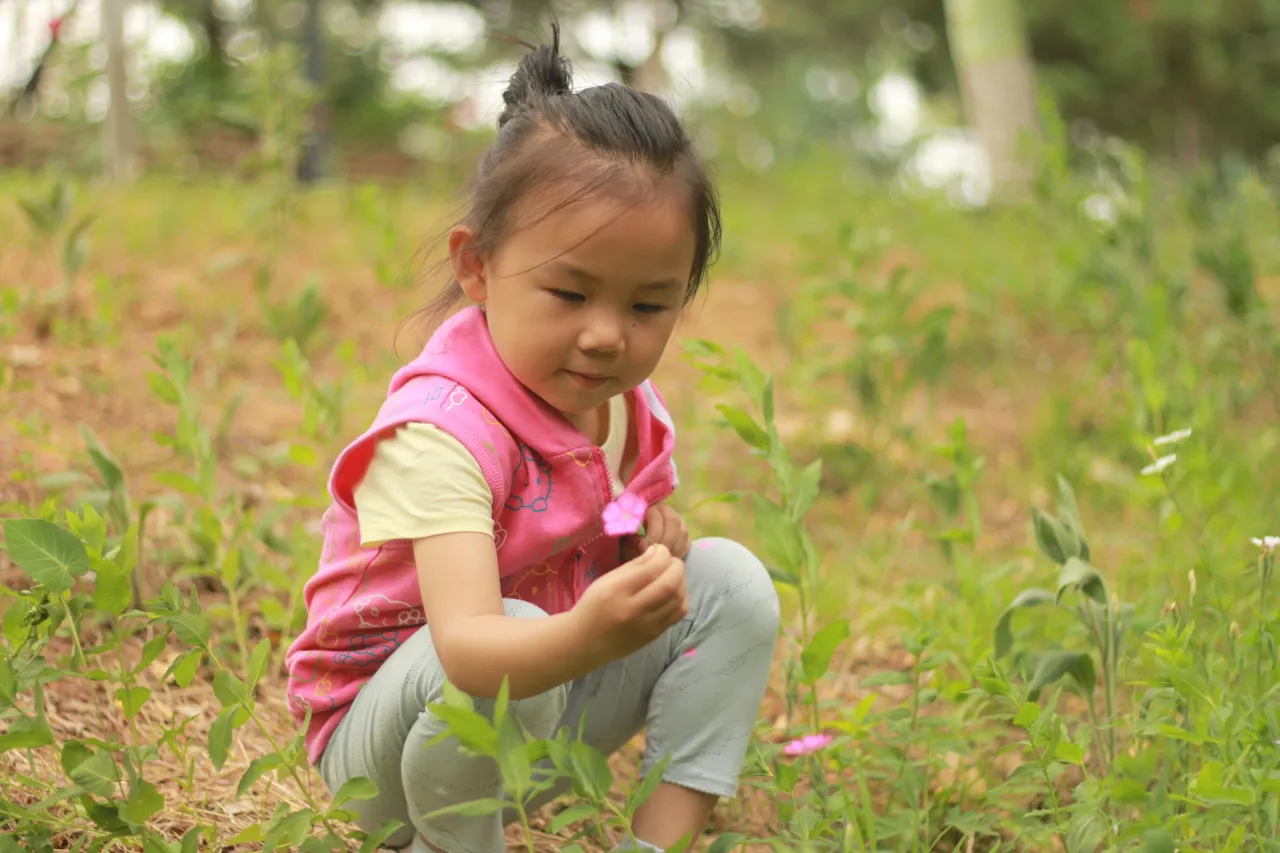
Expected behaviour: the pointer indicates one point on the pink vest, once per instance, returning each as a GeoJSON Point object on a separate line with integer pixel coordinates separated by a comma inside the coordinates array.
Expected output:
{"type": "Point", "coordinates": [550, 486]}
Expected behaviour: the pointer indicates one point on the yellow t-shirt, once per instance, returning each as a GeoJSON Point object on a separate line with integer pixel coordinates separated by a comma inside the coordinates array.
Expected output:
{"type": "Point", "coordinates": [423, 482]}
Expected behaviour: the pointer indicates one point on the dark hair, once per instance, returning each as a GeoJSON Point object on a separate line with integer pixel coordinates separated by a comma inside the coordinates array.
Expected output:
{"type": "Point", "coordinates": [609, 137]}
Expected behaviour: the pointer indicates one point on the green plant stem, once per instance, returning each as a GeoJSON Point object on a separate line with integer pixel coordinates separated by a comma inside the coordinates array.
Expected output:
{"type": "Point", "coordinates": [1053, 794]}
{"type": "Point", "coordinates": [75, 635]}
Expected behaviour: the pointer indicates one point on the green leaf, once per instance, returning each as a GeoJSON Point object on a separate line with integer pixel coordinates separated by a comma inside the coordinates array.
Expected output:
{"type": "Point", "coordinates": [251, 834]}
{"type": "Point", "coordinates": [816, 657]}
{"type": "Point", "coordinates": [53, 557]}
{"type": "Point", "coordinates": [650, 783]}
{"type": "Point", "coordinates": [192, 628]}
{"type": "Point", "coordinates": [887, 677]}
{"type": "Point", "coordinates": [97, 774]}
{"type": "Point", "coordinates": [590, 770]}
{"type": "Point", "coordinates": [573, 814]}
{"type": "Point", "coordinates": [8, 684]}
{"type": "Point", "coordinates": [151, 650]}
{"type": "Point", "coordinates": [112, 588]}
{"type": "Point", "coordinates": [1069, 752]}
{"type": "Point", "coordinates": [258, 663]}
{"type": "Point", "coordinates": [220, 736]}
{"type": "Point", "coordinates": [26, 733]}
{"type": "Point", "coordinates": [355, 788]}
{"type": "Point", "coordinates": [144, 802]}
{"type": "Point", "coordinates": [1027, 714]}
{"type": "Point", "coordinates": [1052, 538]}
{"type": "Point", "coordinates": [179, 481]}
{"type": "Point", "coordinates": [474, 808]}
{"type": "Point", "coordinates": [191, 841]}
{"type": "Point", "coordinates": [74, 753]}
{"type": "Point", "coordinates": [1026, 598]}
{"type": "Point", "coordinates": [381, 834]}
{"type": "Point", "coordinates": [132, 699]}
{"type": "Point", "coordinates": [1158, 840]}
{"type": "Point", "coordinates": [183, 669]}
{"type": "Point", "coordinates": [256, 770]}
{"type": "Point", "coordinates": [1051, 666]}
{"type": "Point", "coordinates": [745, 426]}
{"type": "Point", "coordinates": [1077, 573]}
{"type": "Point", "coordinates": [112, 476]}
{"type": "Point", "coordinates": [290, 830]}
{"type": "Point", "coordinates": [727, 841]}
{"type": "Point", "coordinates": [1086, 830]}
{"type": "Point", "coordinates": [806, 490]}
{"type": "Point", "coordinates": [229, 689]}
{"type": "Point", "coordinates": [472, 730]}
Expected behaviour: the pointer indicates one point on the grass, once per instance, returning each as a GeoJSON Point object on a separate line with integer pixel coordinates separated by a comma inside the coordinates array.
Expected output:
{"type": "Point", "coordinates": [934, 428]}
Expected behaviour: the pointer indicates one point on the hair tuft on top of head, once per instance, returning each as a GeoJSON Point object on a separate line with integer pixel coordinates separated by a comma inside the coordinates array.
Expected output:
{"type": "Point", "coordinates": [542, 73]}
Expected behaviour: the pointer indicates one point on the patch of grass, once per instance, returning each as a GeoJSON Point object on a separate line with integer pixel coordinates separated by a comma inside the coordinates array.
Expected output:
{"type": "Point", "coordinates": [1023, 606]}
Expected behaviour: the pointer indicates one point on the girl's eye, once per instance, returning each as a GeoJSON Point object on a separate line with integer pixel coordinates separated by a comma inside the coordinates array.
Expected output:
{"type": "Point", "coordinates": [647, 308]}
{"type": "Point", "coordinates": [568, 296]}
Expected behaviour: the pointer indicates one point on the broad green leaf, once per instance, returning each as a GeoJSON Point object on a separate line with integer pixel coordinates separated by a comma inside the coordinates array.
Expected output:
{"type": "Point", "coordinates": [1086, 830]}
{"type": "Point", "coordinates": [816, 657]}
{"type": "Point", "coordinates": [112, 476]}
{"type": "Point", "coordinates": [1069, 512]}
{"type": "Point", "coordinates": [97, 774]}
{"type": "Point", "coordinates": [885, 678]}
{"type": "Point", "coordinates": [355, 788]}
{"type": "Point", "coordinates": [1024, 599]}
{"type": "Point", "coordinates": [1027, 714]}
{"type": "Point", "coordinates": [590, 770]}
{"type": "Point", "coordinates": [192, 628]}
{"type": "Point", "coordinates": [179, 481]}
{"type": "Point", "coordinates": [1052, 538]}
{"type": "Point", "coordinates": [472, 730]}
{"type": "Point", "coordinates": [379, 835]}
{"type": "Point", "coordinates": [573, 814]}
{"type": "Point", "coordinates": [183, 669]}
{"type": "Point", "coordinates": [74, 753]}
{"type": "Point", "coordinates": [1069, 752]}
{"type": "Point", "coordinates": [26, 733]}
{"type": "Point", "coordinates": [251, 834]}
{"type": "Point", "coordinates": [8, 684]}
{"type": "Point", "coordinates": [258, 663]}
{"type": "Point", "coordinates": [473, 808]}
{"type": "Point", "coordinates": [112, 589]}
{"type": "Point", "coordinates": [191, 841]}
{"type": "Point", "coordinates": [290, 830]}
{"type": "Point", "coordinates": [144, 802]}
{"type": "Point", "coordinates": [51, 556]}
{"type": "Point", "coordinates": [132, 699]}
{"type": "Point", "coordinates": [151, 650]}
{"type": "Point", "coordinates": [12, 623]}
{"type": "Point", "coordinates": [726, 842]}
{"type": "Point", "coordinates": [745, 426]}
{"type": "Point", "coordinates": [229, 689]}
{"type": "Point", "coordinates": [1076, 572]}
{"type": "Point", "coordinates": [1051, 666]}
{"type": "Point", "coordinates": [220, 736]}
{"type": "Point", "coordinates": [256, 770]}
{"type": "Point", "coordinates": [105, 815]}
{"type": "Point", "coordinates": [1157, 841]}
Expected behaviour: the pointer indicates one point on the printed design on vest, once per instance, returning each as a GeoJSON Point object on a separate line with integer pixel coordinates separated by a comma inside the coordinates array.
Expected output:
{"type": "Point", "coordinates": [499, 535]}
{"type": "Point", "coordinates": [369, 649]}
{"type": "Point", "coordinates": [492, 421]}
{"type": "Point", "coordinates": [326, 634]}
{"type": "Point", "coordinates": [532, 479]}
{"type": "Point", "coordinates": [436, 392]}
{"type": "Point", "coordinates": [457, 397]}
{"type": "Point", "coordinates": [407, 614]}
{"type": "Point", "coordinates": [299, 703]}
{"type": "Point", "coordinates": [581, 463]}
{"type": "Point", "coordinates": [525, 586]}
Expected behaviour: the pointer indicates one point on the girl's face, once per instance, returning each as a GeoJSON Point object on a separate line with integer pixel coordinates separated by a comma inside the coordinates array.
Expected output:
{"type": "Point", "coordinates": [581, 305]}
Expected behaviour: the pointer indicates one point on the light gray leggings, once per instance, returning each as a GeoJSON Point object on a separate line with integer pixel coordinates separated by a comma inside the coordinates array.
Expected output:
{"type": "Point", "coordinates": [700, 708]}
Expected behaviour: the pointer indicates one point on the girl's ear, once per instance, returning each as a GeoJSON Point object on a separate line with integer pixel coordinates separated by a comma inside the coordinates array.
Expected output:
{"type": "Point", "coordinates": [468, 268]}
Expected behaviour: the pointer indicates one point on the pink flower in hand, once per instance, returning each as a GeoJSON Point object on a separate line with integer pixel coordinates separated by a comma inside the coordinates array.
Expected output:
{"type": "Point", "coordinates": [55, 27]}
{"type": "Point", "coordinates": [624, 516]}
{"type": "Point", "coordinates": [807, 744]}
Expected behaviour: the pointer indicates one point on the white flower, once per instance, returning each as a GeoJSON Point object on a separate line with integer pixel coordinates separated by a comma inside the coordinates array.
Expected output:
{"type": "Point", "coordinates": [1268, 544]}
{"type": "Point", "coordinates": [1160, 464]}
{"type": "Point", "coordinates": [1173, 438]}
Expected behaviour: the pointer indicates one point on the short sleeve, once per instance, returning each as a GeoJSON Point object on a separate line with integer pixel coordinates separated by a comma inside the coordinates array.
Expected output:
{"type": "Point", "coordinates": [422, 482]}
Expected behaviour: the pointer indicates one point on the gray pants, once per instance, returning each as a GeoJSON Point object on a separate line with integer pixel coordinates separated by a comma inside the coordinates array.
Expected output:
{"type": "Point", "coordinates": [700, 708]}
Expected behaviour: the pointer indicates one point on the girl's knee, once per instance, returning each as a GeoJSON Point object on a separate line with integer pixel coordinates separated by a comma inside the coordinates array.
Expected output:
{"type": "Point", "coordinates": [738, 583]}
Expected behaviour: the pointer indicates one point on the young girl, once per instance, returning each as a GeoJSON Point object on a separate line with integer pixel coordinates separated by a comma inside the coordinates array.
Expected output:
{"type": "Point", "coordinates": [473, 504]}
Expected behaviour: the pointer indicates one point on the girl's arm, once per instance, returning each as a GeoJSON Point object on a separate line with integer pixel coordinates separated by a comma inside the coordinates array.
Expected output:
{"type": "Point", "coordinates": [478, 644]}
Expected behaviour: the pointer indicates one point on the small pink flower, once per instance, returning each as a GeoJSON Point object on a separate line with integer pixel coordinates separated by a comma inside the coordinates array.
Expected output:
{"type": "Point", "coordinates": [625, 515]}
{"type": "Point", "coordinates": [55, 27]}
{"type": "Point", "coordinates": [691, 651]}
{"type": "Point", "coordinates": [807, 744]}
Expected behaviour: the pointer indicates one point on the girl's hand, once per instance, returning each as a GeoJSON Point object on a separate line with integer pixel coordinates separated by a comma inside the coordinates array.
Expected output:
{"type": "Point", "coordinates": [664, 526]}
{"type": "Point", "coordinates": [630, 607]}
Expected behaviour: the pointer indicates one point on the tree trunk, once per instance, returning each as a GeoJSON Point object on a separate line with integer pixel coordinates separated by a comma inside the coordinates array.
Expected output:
{"type": "Point", "coordinates": [997, 84]}
{"type": "Point", "coordinates": [315, 137]}
{"type": "Point", "coordinates": [118, 139]}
